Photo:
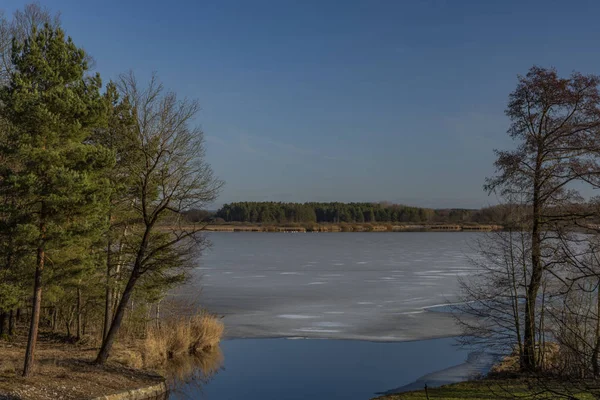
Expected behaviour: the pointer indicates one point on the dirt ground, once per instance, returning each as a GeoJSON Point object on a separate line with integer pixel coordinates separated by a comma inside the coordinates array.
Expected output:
{"type": "Point", "coordinates": [65, 371]}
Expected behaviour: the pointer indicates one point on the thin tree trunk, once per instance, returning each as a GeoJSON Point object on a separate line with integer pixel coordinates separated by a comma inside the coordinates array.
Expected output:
{"type": "Point", "coordinates": [595, 366]}
{"type": "Point", "coordinates": [529, 359]}
{"type": "Point", "coordinates": [530, 303]}
{"type": "Point", "coordinates": [11, 323]}
{"type": "Point", "coordinates": [85, 321]}
{"type": "Point", "coordinates": [116, 295]}
{"type": "Point", "coordinates": [68, 326]}
{"type": "Point", "coordinates": [108, 299]}
{"type": "Point", "coordinates": [2, 322]}
{"type": "Point", "coordinates": [525, 284]}
{"type": "Point", "coordinates": [108, 342]}
{"type": "Point", "coordinates": [37, 302]}
{"type": "Point", "coordinates": [541, 337]}
{"type": "Point", "coordinates": [515, 299]}
{"type": "Point", "coordinates": [158, 315]}
{"type": "Point", "coordinates": [54, 319]}
{"type": "Point", "coordinates": [79, 313]}
{"type": "Point", "coordinates": [69, 320]}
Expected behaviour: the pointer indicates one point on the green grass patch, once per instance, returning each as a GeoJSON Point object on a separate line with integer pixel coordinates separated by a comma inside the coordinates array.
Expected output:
{"type": "Point", "coordinates": [490, 389]}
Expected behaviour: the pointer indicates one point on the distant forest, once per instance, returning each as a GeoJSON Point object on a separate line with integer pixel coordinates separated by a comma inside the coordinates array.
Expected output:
{"type": "Point", "coordinates": [383, 212]}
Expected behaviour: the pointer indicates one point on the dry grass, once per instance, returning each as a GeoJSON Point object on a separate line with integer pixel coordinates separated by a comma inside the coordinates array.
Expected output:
{"type": "Point", "coordinates": [155, 348]}
{"type": "Point", "coordinates": [129, 357]}
{"type": "Point", "coordinates": [207, 331]}
{"type": "Point", "coordinates": [509, 365]}
{"type": "Point", "coordinates": [182, 337]}
{"type": "Point", "coordinates": [184, 348]}
{"type": "Point", "coordinates": [64, 370]}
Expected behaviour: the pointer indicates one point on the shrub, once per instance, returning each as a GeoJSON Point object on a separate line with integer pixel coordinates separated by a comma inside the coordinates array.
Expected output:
{"type": "Point", "coordinates": [181, 337]}
{"type": "Point", "coordinates": [206, 332]}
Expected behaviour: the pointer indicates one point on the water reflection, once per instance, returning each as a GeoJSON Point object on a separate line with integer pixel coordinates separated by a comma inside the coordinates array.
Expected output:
{"type": "Point", "coordinates": [194, 371]}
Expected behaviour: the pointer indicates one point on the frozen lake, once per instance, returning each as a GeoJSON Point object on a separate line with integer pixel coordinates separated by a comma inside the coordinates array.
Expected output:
{"type": "Point", "coordinates": [368, 286]}
{"type": "Point", "coordinates": [371, 287]}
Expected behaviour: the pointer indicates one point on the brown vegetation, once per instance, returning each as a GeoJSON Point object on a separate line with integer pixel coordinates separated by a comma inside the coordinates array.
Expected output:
{"type": "Point", "coordinates": [181, 348]}
{"type": "Point", "coordinates": [182, 337]}
{"type": "Point", "coordinates": [65, 370]}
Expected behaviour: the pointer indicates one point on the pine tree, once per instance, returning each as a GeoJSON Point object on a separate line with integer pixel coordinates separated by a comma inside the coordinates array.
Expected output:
{"type": "Point", "coordinates": [52, 106]}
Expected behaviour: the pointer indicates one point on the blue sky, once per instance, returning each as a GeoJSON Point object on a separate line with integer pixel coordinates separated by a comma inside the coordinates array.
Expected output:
{"type": "Point", "coordinates": [342, 100]}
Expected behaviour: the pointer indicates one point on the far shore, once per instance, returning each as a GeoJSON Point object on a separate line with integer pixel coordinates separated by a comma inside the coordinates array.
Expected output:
{"type": "Point", "coordinates": [301, 228]}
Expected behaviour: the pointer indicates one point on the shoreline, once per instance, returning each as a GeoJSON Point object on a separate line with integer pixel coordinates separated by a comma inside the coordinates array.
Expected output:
{"type": "Point", "coordinates": [65, 370]}
{"type": "Point", "coordinates": [153, 392]}
{"type": "Point", "coordinates": [477, 364]}
{"type": "Point", "coordinates": [304, 228]}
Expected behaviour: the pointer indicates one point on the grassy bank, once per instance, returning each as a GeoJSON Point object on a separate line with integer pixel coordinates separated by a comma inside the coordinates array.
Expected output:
{"type": "Point", "coordinates": [492, 389]}
{"type": "Point", "coordinates": [64, 369]}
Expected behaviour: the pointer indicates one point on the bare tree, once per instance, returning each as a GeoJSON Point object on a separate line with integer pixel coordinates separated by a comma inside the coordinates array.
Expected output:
{"type": "Point", "coordinates": [23, 23]}
{"type": "Point", "coordinates": [491, 310]}
{"type": "Point", "coordinates": [555, 123]}
{"type": "Point", "coordinates": [172, 177]}
{"type": "Point", "coordinates": [575, 306]}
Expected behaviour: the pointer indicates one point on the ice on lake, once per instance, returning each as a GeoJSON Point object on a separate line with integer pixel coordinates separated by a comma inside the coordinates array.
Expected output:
{"type": "Point", "coordinates": [369, 286]}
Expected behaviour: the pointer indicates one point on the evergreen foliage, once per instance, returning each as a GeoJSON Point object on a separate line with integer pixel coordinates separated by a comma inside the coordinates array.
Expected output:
{"type": "Point", "coordinates": [277, 212]}
{"type": "Point", "coordinates": [89, 176]}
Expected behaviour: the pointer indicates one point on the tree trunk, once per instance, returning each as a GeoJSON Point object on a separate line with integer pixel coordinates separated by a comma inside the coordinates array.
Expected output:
{"type": "Point", "coordinates": [11, 323]}
{"type": "Point", "coordinates": [595, 366]}
{"type": "Point", "coordinates": [37, 302]}
{"type": "Point", "coordinates": [54, 318]}
{"type": "Point", "coordinates": [158, 315]}
{"type": "Point", "coordinates": [116, 295]}
{"type": "Point", "coordinates": [84, 324]}
{"type": "Point", "coordinates": [68, 326]}
{"type": "Point", "coordinates": [78, 314]}
{"type": "Point", "coordinates": [2, 322]}
{"type": "Point", "coordinates": [69, 321]}
{"type": "Point", "coordinates": [515, 297]}
{"type": "Point", "coordinates": [541, 353]}
{"type": "Point", "coordinates": [108, 342]}
{"type": "Point", "coordinates": [529, 361]}
{"type": "Point", "coordinates": [19, 314]}
{"type": "Point", "coordinates": [108, 296]}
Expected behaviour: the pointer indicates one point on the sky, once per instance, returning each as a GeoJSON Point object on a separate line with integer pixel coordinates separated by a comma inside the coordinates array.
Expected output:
{"type": "Point", "coordinates": [322, 100]}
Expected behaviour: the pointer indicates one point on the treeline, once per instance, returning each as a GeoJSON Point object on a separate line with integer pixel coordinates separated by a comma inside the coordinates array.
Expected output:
{"type": "Point", "coordinates": [277, 212]}
{"type": "Point", "coordinates": [93, 182]}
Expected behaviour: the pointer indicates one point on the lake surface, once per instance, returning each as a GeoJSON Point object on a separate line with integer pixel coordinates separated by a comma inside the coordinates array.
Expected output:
{"type": "Point", "coordinates": [367, 287]}
{"type": "Point", "coordinates": [324, 369]}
